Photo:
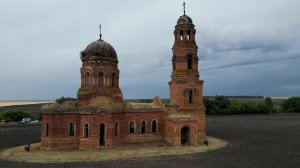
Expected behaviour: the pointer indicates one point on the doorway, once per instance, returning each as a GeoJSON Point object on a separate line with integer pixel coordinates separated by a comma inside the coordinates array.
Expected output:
{"type": "Point", "coordinates": [185, 136]}
{"type": "Point", "coordinates": [102, 135]}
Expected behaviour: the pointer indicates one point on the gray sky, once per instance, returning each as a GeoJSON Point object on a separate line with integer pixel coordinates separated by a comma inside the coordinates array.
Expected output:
{"type": "Point", "coordinates": [246, 47]}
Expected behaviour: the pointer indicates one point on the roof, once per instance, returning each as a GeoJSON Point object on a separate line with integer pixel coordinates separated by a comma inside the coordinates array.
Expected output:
{"type": "Point", "coordinates": [98, 49]}
{"type": "Point", "coordinates": [184, 19]}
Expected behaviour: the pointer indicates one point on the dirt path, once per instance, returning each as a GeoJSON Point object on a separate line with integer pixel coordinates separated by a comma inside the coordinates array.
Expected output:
{"type": "Point", "coordinates": [37, 155]}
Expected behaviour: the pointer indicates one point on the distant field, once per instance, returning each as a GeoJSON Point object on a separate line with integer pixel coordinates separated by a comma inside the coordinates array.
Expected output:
{"type": "Point", "coordinates": [33, 107]}
{"type": "Point", "coordinates": [4, 103]}
{"type": "Point", "coordinates": [277, 101]}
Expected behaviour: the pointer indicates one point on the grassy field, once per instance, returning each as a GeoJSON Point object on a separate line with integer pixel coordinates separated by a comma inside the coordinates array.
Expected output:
{"type": "Point", "coordinates": [5, 103]}
{"type": "Point", "coordinates": [34, 109]}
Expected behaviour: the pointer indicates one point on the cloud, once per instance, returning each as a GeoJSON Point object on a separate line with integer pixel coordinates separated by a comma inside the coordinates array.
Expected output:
{"type": "Point", "coordinates": [250, 47]}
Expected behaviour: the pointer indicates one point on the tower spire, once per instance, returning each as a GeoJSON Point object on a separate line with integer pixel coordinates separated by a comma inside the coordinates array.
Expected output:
{"type": "Point", "coordinates": [183, 8]}
{"type": "Point", "coordinates": [100, 32]}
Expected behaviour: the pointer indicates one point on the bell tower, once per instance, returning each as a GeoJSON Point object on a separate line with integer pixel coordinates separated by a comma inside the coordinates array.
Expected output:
{"type": "Point", "coordinates": [185, 86]}
{"type": "Point", "coordinates": [185, 120]}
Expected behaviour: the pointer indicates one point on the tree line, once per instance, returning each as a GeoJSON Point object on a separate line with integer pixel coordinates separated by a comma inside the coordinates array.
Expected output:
{"type": "Point", "coordinates": [223, 105]}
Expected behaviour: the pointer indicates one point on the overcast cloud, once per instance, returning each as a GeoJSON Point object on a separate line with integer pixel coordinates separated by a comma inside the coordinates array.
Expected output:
{"type": "Point", "coordinates": [246, 47]}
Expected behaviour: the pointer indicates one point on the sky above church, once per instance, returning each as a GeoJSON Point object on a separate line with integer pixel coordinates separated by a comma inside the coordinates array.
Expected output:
{"type": "Point", "coordinates": [245, 47]}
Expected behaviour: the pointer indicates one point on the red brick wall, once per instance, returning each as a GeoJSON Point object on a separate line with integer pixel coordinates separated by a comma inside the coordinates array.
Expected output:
{"type": "Point", "coordinates": [58, 136]}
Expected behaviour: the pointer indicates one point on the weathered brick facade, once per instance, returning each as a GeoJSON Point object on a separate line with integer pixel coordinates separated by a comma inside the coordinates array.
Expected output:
{"type": "Point", "coordinates": [100, 118]}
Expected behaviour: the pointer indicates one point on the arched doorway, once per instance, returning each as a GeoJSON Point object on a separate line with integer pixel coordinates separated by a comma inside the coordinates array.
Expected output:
{"type": "Point", "coordinates": [185, 136]}
{"type": "Point", "coordinates": [102, 135]}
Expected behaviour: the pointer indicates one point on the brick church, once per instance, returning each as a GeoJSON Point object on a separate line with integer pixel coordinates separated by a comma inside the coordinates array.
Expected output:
{"type": "Point", "coordinates": [100, 118]}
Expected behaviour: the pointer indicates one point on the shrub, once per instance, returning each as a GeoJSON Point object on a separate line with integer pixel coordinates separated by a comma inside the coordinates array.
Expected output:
{"type": "Point", "coordinates": [222, 105]}
{"type": "Point", "coordinates": [222, 102]}
{"type": "Point", "coordinates": [263, 108]}
{"type": "Point", "coordinates": [237, 108]}
{"type": "Point", "coordinates": [292, 104]}
{"type": "Point", "coordinates": [15, 115]}
{"type": "Point", "coordinates": [269, 101]}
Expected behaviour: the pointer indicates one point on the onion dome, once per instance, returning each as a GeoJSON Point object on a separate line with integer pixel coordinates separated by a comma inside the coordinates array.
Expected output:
{"type": "Point", "coordinates": [99, 50]}
{"type": "Point", "coordinates": [184, 19]}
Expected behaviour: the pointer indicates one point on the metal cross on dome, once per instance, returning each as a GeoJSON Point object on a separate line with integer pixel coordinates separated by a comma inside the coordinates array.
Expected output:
{"type": "Point", "coordinates": [183, 8]}
{"type": "Point", "coordinates": [100, 31]}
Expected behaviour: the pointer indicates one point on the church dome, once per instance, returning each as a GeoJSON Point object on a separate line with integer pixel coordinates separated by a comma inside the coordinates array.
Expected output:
{"type": "Point", "coordinates": [98, 50]}
{"type": "Point", "coordinates": [184, 19]}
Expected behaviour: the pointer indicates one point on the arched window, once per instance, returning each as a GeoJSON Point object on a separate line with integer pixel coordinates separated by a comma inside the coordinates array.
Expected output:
{"type": "Point", "coordinates": [191, 96]}
{"type": "Point", "coordinates": [102, 135]}
{"type": "Point", "coordinates": [131, 127]}
{"type": "Point", "coordinates": [174, 62]}
{"type": "Point", "coordinates": [189, 35]}
{"type": "Point", "coordinates": [87, 79]}
{"type": "Point", "coordinates": [72, 129]}
{"type": "Point", "coordinates": [174, 65]}
{"type": "Point", "coordinates": [190, 62]}
{"type": "Point", "coordinates": [143, 127]}
{"type": "Point", "coordinates": [86, 131]}
{"type": "Point", "coordinates": [181, 34]}
{"type": "Point", "coordinates": [154, 126]}
{"type": "Point", "coordinates": [117, 129]}
{"type": "Point", "coordinates": [100, 80]}
{"type": "Point", "coordinates": [46, 129]}
{"type": "Point", "coordinates": [113, 80]}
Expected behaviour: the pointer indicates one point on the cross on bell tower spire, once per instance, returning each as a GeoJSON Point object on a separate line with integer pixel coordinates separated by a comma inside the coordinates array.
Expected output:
{"type": "Point", "coordinates": [100, 32]}
{"type": "Point", "coordinates": [183, 8]}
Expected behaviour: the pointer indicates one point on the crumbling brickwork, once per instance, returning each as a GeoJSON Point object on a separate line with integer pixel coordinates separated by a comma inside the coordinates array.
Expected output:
{"type": "Point", "coordinates": [101, 119]}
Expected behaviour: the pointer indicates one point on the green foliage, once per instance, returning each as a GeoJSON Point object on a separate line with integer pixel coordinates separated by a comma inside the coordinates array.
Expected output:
{"type": "Point", "coordinates": [236, 108]}
{"type": "Point", "coordinates": [269, 101]}
{"type": "Point", "coordinates": [263, 108]}
{"type": "Point", "coordinates": [292, 104]}
{"type": "Point", "coordinates": [222, 105]}
{"type": "Point", "coordinates": [209, 105]}
{"type": "Point", "coordinates": [15, 115]}
{"type": "Point", "coordinates": [222, 102]}
{"type": "Point", "coordinates": [40, 116]}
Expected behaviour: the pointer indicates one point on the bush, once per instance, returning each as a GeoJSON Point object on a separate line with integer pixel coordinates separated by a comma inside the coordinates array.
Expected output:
{"type": "Point", "coordinates": [263, 108]}
{"type": "Point", "coordinates": [222, 105]}
{"type": "Point", "coordinates": [250, 108]}
{"type": "Point", "coordinates": [222, 102]}
{"type": "Point", "coordinates": [292, 104]}
{"type": "Point", "coordinates": [15, 115]}
{"type": "Point", "coordinates": [209, 105]}
{"type": "Point", "coordinates": [269, 101]}
{"type": "Point", "coordinates": [237, 108]}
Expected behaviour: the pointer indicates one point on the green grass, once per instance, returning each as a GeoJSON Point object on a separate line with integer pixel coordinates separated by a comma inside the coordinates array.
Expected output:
{"type": "Point", "coordinates": [34, 109]}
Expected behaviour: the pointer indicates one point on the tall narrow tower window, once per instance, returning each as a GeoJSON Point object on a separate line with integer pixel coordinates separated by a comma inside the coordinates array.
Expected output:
{"type": "Point", "coordinates": [154, 126]}
{"type": "Point", "coordinates": [100, 80]}
{"type": "Point", "coordinates": [191, 96]}
{"type": "Point", "coordinates": [113, 80]}
{"type": "Point", "coordinates": [181, 34]}
{"type": "Point", "coordinates": [131, 127]}
{"type": "Point", "coordinates": [190, 62]}
{"type": "Point", "coordinates": [86, 131]}
{"type": "Point", "coordinates": [189, 35]}
{"type": "Point", "coordinates": [143, 127]}
{"type": "Point", "coordinates": [174, 62]}
{"type": "Point", "coordinates": [87, 80]}
{"type": "Point", "coordinates": [72, 129]}
{"type": "Point", "coordinates": [46, 129]}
